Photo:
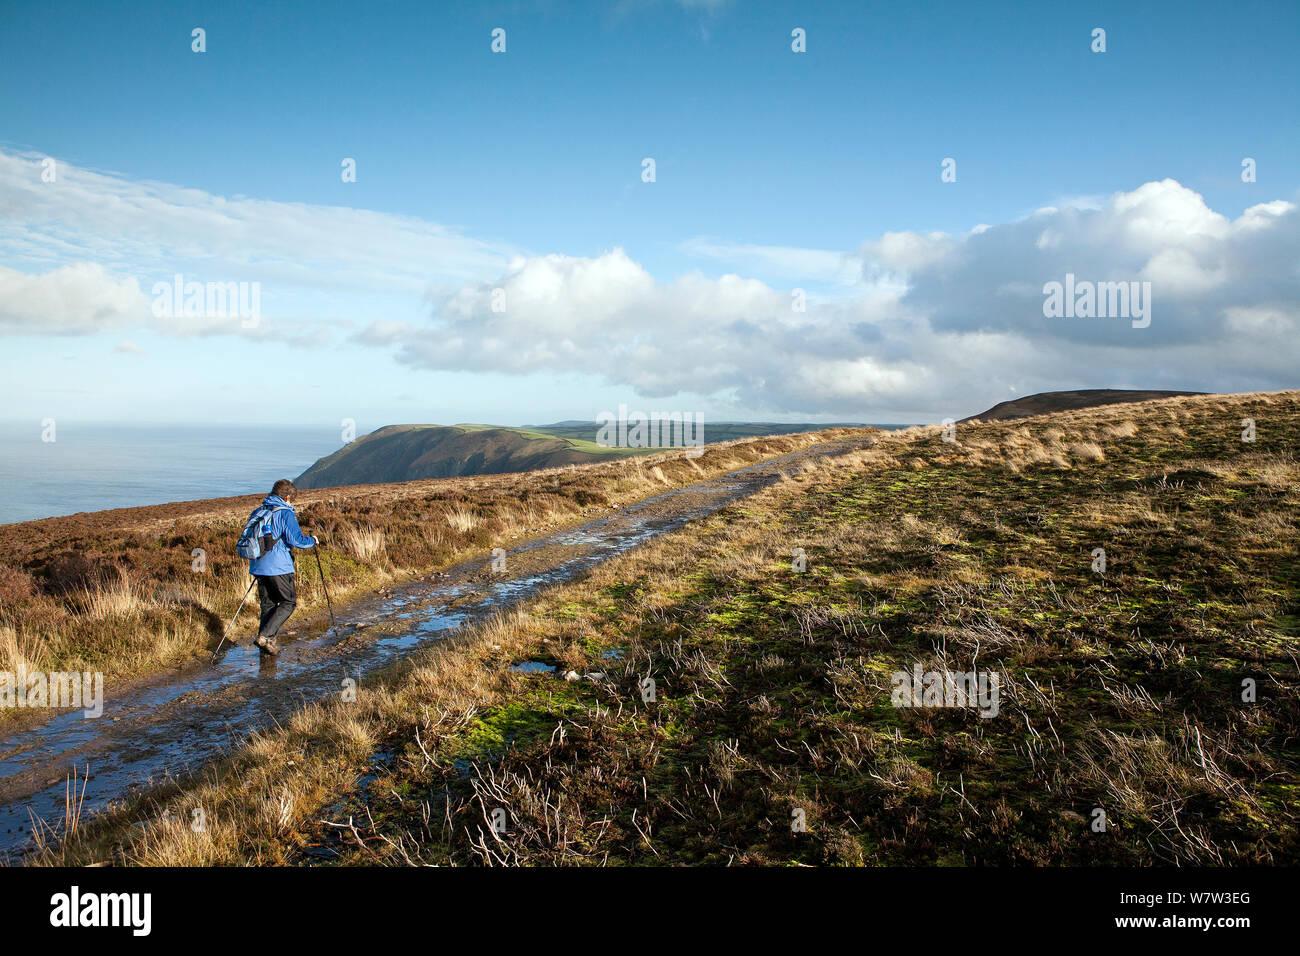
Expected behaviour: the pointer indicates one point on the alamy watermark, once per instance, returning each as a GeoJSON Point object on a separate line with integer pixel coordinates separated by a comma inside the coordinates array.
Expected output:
{"type": "Point", "coordinates": [651, 430]}
{"type": "Point", "coordinates": [209, 300]}
{"type": "Point", "coordinates": [1084, 299]}
{"type": "Point", "coordinates": [129, 910]}
{"type": "Point", "coordinates": [976, 690]}
{"type": "Point", "coordinates": [82, 691]}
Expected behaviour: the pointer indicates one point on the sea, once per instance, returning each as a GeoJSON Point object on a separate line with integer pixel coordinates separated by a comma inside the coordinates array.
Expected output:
{"type": "Point", "coordinates": [90, 467]}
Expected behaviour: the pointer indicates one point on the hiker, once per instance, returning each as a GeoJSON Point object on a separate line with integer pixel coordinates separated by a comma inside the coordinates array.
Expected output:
{"type": "Point", "coordinates": [274, 568]}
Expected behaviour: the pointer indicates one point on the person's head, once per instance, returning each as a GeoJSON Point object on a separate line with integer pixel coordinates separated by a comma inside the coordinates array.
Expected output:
{"type": "Point", "coordinates": [284, 488]}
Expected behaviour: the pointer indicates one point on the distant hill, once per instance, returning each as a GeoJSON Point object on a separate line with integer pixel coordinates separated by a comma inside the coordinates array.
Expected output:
{"type": "Point", "coordinates": [413, 452]}
{"type": "Point", "coordinates": [1044, 402]}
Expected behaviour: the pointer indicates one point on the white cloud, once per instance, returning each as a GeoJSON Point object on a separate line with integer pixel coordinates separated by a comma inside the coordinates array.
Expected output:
{"type": "Point", "coordinates": [148, 231]}
{"type": "Point", "coordinates": [153, 226]}
{"type": "Point", "coordinates": [916, 322]}
{"type": "Point", "coordinates": [70, 300]}
{"type": "Point", "coordinates": [1199, 262]}
{"type": "Point", "coordinates": [936, 318]}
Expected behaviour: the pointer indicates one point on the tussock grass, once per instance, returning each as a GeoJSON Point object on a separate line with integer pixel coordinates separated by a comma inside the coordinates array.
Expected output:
{"type": "Point", "coordinates": [365, 544]}
{"type": "Point", "coordinates": [121, 599]}
{"type": "Point", "coordinates": [20, 653]}
{"type": "Point", "coordinates": [462, 520]}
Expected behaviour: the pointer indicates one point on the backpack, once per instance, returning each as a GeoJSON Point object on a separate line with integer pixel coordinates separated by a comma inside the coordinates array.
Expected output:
{"type": "Point", "coordinates": [257, 538]}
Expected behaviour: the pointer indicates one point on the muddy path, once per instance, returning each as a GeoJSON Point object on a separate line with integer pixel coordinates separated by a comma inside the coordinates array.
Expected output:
{"type": "Point", "coordinates": [169, 727]}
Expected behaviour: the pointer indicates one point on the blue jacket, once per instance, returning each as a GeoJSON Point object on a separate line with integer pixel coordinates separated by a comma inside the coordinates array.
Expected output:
{"type": "Point", "coordinates": [284, 525]}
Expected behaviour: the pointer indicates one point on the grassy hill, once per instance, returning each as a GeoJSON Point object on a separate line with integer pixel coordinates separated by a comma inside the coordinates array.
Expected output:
{"type": "Point", "coordinates": [417, 452]}
{"type": "Point", "coordinates": [1043, 403]}
{"type": "Point", "coordinates": [1149, 708]}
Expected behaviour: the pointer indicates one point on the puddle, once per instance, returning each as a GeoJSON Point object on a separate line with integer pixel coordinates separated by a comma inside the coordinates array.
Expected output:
{"type": "Point", "coordinates": [533, 667]}
{"type": "Point", "coordinates": [171, 726]}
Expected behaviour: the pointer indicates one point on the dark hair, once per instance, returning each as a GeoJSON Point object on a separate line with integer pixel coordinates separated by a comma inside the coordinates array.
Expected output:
{"type": "Point", "coordinates": [284, 488]}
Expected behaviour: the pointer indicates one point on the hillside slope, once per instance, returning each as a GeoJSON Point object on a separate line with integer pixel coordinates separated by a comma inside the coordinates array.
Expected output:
{"type": "Point", "coordinates": [414, 452]}
{"type": "Point", "coordinates": [1043, 403]}
{"type": "Point", "coordinates": [417, 452]}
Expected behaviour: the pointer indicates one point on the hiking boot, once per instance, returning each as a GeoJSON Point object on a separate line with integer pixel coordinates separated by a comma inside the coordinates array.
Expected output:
{"type": "Point", "coordinates": [267, 645]}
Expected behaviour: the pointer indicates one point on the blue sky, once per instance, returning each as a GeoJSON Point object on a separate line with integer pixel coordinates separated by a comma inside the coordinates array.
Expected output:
{"type": "Point", "coordinates": [522, 171]}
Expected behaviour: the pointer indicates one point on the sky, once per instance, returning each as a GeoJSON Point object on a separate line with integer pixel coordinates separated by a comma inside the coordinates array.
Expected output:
{"type": "Point", "coordinates": [863, 230]}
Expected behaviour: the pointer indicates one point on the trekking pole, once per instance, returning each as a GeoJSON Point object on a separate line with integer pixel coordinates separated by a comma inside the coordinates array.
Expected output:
{"type": "Point", "coordinates": [251, 581]}
{"type": "Point", "coordinates": [328, 602]}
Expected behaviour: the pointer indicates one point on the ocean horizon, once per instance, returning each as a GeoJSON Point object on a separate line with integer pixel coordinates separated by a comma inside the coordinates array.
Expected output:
{"type": "Point", "coordinates": [93, 466]}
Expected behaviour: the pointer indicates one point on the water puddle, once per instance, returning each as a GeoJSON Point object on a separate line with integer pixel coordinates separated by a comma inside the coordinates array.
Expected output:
{"type": "Point", "coordinates": [533, 667]}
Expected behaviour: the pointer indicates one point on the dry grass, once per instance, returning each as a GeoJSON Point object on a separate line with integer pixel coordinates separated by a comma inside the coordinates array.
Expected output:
{"type": "Point", "coordinates": [123, 598]}
{"type": "Point", "coordinates": [1121, 430]}
{"type": "Point", "coordinates": [20, 653]}
{"type": "Point", "coordinates": [462, 520]}
{"type": "Point", "coordinates": [365, 544]}
{"type": "Point", "coordinates": [1087, 451]}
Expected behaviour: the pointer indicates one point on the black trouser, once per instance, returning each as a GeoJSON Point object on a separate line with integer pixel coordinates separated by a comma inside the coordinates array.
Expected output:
{"type": "Point", "coordinates": [279, 596]}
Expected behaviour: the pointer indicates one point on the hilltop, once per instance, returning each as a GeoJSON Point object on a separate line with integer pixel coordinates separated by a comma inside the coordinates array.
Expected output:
{"type": "Point", "coordinates": [416, 452]}
{"type": "Point", "coordinates": [1043, 403]}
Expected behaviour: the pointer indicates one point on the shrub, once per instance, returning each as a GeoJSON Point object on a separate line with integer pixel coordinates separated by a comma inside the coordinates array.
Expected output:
{"type": "Point", "coordinates": [73, 571]}
{"type": "Point", "coordinates": [15, 585]}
